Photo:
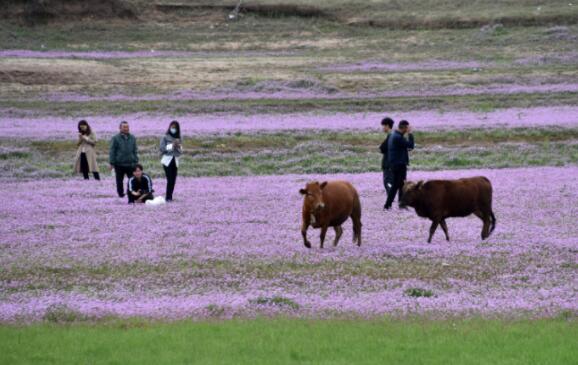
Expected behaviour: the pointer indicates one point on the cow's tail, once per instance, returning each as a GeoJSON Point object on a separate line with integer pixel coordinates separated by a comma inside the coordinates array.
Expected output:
{"type": "Point", "coordinates": [493, 217]}
{"type": "Point", "coordinates": [357, 232]}
{"type": "Point", "coordinates": [356, 218]}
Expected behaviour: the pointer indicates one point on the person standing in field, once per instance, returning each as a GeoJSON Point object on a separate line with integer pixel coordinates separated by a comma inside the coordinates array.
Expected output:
{"type": "Point", "coordinates": [399, 144]}
{"type": "Point", "coordinates": [387, 125]}
{"type": "Point", "coordinates": [123, 156]}
{"type": "Point", "coordinates": [86, 152]}
{"type": "Point", "coordinates": [171, 150]}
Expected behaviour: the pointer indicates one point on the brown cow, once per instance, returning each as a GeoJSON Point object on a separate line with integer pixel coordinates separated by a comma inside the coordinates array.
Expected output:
{"type": "Point", "coordinates": [329, 204]}
{"type": "Point", "coordinates": [441, 199]}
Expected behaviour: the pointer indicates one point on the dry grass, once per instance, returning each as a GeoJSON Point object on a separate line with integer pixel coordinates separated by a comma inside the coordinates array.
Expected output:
{"type": "Point", "coordinates": [391, 14]}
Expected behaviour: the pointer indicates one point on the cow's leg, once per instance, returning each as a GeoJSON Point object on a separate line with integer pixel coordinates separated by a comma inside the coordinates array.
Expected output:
{"type": "Point", "coordinates": [357, 233]}
{"type": "Point", "coordinates": [322, 236]}
{"type": "Point", "coordinates": [338, 233]}
{"type": "Point", "coordinates": [445, 228]}
{"type": "Point", "coordinates": [304, 227]}
{"type": "Point", "coordinates": [487, 222]}
{"type": "Point", "coordinates": [493, 217]}
{"type": "Point", "coordinates": [486, 229]}
{"type": "Point", "coordinates": [432, 229]}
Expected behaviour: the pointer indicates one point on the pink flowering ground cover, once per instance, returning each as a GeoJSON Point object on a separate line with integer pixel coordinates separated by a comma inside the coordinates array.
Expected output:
{"type": "Point", "coordinates": [274, 91]}
{"type": "Point", "coordinates": [231, 247]}
{"type": "Point", "coordinates": [377, 66]}
{"type": "Point", "coordinates": [104, 55]}
{"type": "Point", "coordinates": [146, 125]}
{"type": "Point", "coordinates": [361, 66]}
{"type": "Point", "coordinates": [436, 65]}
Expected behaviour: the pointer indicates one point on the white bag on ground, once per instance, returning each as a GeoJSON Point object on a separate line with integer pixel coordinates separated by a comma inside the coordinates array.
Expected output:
{"type": "Point", "coordinates": [159, 200]}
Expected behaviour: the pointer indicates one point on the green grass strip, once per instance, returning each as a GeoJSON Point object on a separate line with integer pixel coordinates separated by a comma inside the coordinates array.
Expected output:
{"type": "Point", "coordinates": [282, 341]}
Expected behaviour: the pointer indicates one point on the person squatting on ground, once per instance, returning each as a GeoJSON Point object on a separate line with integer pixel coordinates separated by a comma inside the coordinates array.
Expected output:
{"type": "Point", "coordinates": [400, 142]}
{"type": "Point", "coordinates": [86, 152]}
{"type": "Point", "coordinates": [123, 155]}
{"type": "Point", "coordinates": [171, 150]}
{"type": "Point", "coordinates": [140, 186]}
{"type": "Point", "coordinates": [387, 124]}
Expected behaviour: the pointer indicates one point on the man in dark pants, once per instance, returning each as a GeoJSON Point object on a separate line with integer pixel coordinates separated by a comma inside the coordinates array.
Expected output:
{"type": "Point", "coordinates": [387, 124]}
{"type": "Point", "coordinates": [123, 156]}
{"type": "Point", "coordinates": [400, 142]}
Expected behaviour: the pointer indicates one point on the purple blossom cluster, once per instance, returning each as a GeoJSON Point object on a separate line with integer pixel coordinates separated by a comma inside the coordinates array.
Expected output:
{"type": "Point", "coordinates": [304, 93]}
{"type": "Point", "coordinates": [440, 65]}
{"type": "Point", "coordinates": [569, 58]}
{"type": "Point", "coordinates": [54, 127]}
{"type": "Point", "coordinates": [378, 66]}
{"type": "Point", "coordinates": [227, 242]}
{"type": "Point", "coordinates": [361, 66]}
{"type": "Point", "coordinates": [104, 55]}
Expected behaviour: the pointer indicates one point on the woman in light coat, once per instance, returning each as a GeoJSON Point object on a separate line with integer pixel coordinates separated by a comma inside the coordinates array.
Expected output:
{"type": "Point", "coordinates": [171, 150]}
{"type": "Point", "coordinates": [86, 152]}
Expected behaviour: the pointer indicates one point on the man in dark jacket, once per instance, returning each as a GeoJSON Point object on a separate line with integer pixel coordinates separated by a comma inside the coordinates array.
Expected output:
{"type": "Point", "coordinates": [400, 142]}
{"type": "Point", "coordinates": [387, 124]}
{"type": "Point", "coordinates": [140, 186]}
{"type": "Point", "coordinates": [123, 156]}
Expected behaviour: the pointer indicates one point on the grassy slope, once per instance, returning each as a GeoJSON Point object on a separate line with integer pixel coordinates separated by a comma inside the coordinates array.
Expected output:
{"type": "Point", "coordinates": [280, 49]}
{"type": "Point", "coordinates": [479, 103]}
{"type": "Point", "coordinates": [292, 342]}
{"type": "Point", "coordinates": [276, 49]}
{"type": "Point", "coordinates": [414, 14]}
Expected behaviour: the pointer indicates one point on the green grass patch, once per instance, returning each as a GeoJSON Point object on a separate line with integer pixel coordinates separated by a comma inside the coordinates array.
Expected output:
{"type": "Point", "coordinates": [79, 278]}
{"type": "Point", "coordinates": [59, 313]}
{"type": "Point", "coordinates": [418, 293]}
{"type": "Point", "coordinates": [276, 301]}
{"type": "Point", "coordinates": [268, 106]}
{"type": "Point", "coordinates": [313, 152]}
{"type": "Point", "coordinates": [283, 341]}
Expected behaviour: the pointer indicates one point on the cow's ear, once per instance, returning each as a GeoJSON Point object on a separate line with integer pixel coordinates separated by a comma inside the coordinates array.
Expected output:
{"type": "Point", "coordinates": [302, 191]}
{"type": "Point", "coordinates": [323, 184]}
{"type": "Point", "coordinates": [419, 185]}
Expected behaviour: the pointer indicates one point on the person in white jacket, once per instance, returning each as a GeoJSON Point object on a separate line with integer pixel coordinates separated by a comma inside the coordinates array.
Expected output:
{"type": "Point", "coordinates": [171, 150]}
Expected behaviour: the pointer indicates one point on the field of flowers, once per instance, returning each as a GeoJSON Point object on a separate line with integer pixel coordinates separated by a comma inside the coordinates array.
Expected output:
{"type": "Point", "coordinates": [59, 127]}
{"type": "Point", "coordinates": [267, 104]}
{"type": "Point", "coordinates": [287, 90]}
{"type": "Point", "coordinates": [364, 65]}
{"type": "Point", "coordinates": [232, 247]}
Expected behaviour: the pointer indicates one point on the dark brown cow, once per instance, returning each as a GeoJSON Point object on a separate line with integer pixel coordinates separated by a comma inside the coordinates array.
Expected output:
{"type": "Point", "coordinates": [329, 204]}
{"type": "Point", "coordinates": [441, 199]}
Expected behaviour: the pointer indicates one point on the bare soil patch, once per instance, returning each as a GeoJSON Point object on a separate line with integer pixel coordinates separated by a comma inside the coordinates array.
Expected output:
{"type": "Point", "coordinates": [42, 11]}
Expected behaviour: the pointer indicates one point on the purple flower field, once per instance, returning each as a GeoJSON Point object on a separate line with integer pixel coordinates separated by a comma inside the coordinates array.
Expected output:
{"type": "Point", "coordinates": [298, 93]}
{"type": "Point", "coordinates": [363, 66]}
{"type": "Point", "coordinates": [436, 65]}
{"type": "Point", "coordinates": [65, 127]}
{"type": "Point", "coordinates": [377, 66]}
{"type": "Point", "coordinates": [104, 55]}
{"type": "Point", "coordinates": [229, 246]}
